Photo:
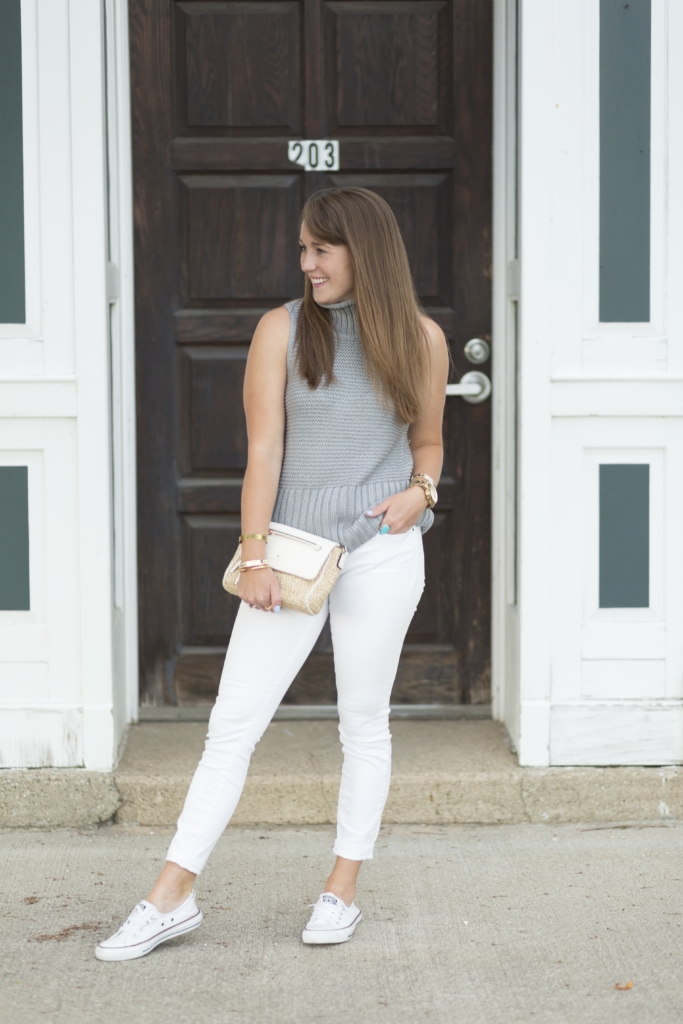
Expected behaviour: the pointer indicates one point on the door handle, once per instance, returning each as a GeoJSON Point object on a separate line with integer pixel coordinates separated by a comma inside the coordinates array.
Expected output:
{"type": "Point", "coordinates": [474, 387]}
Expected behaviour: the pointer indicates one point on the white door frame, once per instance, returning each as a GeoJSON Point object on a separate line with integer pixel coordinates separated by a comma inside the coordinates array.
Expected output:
{"type": "Point", "coordinates": [122, 363]}
{"type": "Point", "coordinates": [504, 631]}
{"type": "Point", "coordinates": [505, 685]}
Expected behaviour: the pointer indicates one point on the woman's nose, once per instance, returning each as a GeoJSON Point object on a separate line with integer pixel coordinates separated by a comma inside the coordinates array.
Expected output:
{"type": "Point", "coordinates": [307, 263]}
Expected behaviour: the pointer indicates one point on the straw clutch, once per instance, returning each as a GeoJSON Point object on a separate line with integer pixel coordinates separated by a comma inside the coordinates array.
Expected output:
{"type": "Point", "coordinates": [306, 566]}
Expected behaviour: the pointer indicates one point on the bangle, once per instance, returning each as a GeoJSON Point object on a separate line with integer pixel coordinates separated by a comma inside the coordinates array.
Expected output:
{"type": "Point", "coordinates": [254, 563]}
{"type": "Point", "coordinates": [253, 536]}
{"type": "Point", "coordinates": [427, 485]}
{"type": "Point", "coordinates": [422, 476]}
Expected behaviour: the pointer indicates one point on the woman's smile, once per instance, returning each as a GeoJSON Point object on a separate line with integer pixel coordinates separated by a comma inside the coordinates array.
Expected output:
{"type": "Point", "coordinates": [328, 267]}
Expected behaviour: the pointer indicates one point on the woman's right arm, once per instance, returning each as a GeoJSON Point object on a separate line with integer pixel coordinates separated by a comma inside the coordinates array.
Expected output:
{"type": "Point", "coordinates": [264, 405]}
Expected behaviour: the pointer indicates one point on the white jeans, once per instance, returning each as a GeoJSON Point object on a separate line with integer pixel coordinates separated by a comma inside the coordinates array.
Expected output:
{"type": "Point", "coordinates": [370, 610]}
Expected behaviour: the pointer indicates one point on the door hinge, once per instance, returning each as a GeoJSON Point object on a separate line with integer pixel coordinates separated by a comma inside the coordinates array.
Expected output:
{"type": "Point", "coordinates": [512, 283]}
{"type": "Point", "coordinates": [112, 282]}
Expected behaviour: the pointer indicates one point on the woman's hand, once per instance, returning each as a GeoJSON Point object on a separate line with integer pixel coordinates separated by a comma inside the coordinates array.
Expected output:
{"type": "Point", "coordinates": [401, 511]}
{"type": "Point", "coordinates": [260, 589]}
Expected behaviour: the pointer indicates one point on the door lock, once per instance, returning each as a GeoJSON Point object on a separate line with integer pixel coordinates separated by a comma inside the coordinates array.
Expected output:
{"type": "Point", "coordinates": [477, 350]}
{"type": "Point", "coordinates": [474, 387]}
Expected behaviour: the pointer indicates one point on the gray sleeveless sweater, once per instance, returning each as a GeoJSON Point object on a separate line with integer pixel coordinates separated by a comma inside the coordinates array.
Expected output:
{"type": "Point", "coordinates": [344, 452]}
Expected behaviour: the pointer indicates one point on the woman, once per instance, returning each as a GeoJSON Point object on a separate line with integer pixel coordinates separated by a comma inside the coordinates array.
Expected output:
{"type": "Point", "coordinates": [344, 394]}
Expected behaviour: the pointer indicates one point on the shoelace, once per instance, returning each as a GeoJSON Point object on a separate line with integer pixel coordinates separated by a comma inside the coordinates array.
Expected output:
{"type": "Point", "coordinates": [323, 910]}
{"type": "Point", "coordinates": [148, 913]}
{"type": "Point", "coordinates": [139, 911]}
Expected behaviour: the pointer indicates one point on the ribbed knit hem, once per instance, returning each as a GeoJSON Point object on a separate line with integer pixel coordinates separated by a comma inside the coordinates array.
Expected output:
{"type": "Point", "coordinates": [338, 513]}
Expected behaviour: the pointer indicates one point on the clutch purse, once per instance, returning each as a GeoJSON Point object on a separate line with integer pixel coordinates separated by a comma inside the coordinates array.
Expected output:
{"type": "Point", "coordinates": [306, 567]}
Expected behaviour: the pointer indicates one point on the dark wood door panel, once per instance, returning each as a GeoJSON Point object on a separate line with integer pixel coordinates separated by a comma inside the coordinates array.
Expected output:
{"type": "Point", "coordinates": [470, 540]}
{"type": "Point", "coordinates": [209, 543]}
{"type": "Point", "coordinates": [388, 66]}
{"type": "Point", "coordinates": [239, 231]}
{"type": "Point", "coordinates": [426, 675]}
{"type": "Point", "coordinates": [403, 153]}
{"type": "Point", "coordinates": [238, 67]}
{"type": "Point", "coordinates": [214, 429]}
{"type": "Point", "coordinates": [422, 205]}
{"type": "Point", "coordinates": [199, 326]}
{"type": "Point", "coordinates": [432, 622]}
{"type": "Point", "coordinates": [218, 90]}
{"type": "Point", "coordinates": [203, 495]}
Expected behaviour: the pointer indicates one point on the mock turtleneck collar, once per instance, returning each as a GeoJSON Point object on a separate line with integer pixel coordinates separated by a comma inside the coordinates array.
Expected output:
{"type": "Point", "coordinates": [343, 316]}
{"type": "Point", "coordinates": [339, 305]}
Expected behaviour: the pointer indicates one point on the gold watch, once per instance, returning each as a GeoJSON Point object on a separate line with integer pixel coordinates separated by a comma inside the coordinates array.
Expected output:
{"type": "Point", "coordinates": [427, 485]}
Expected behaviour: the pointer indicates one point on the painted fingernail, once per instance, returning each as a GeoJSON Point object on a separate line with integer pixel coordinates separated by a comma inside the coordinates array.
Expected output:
{"type": "Point", "coordinates": [277, 608]}
{"type": "Point", "coordinates": [385, 529]}
{"type": "Point", "coordinates": [368, 511]}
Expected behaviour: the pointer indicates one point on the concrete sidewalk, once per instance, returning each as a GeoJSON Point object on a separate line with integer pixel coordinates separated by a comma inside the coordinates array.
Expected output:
{"type": "Point", "coordinates": [466, 924]}
{"type": "Point", "coordinates": [443, 772]}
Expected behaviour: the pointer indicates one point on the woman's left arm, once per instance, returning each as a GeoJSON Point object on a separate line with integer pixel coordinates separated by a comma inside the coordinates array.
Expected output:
{"type": "Point", "coordinates": [426, 434]}
{"type": "Point", "coordinates": [401, 511]}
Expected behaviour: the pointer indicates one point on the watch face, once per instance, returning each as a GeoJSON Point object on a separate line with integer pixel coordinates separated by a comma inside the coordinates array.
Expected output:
{"type": "Point", "coordinates": [432, 491]}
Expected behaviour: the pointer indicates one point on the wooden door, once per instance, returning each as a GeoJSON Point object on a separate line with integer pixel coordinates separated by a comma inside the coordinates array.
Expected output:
{"type": "Point", "coordinates": [218, 89]}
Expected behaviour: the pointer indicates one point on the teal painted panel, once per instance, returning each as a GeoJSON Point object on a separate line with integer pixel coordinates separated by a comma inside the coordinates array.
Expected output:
{"type": "Point", "coordinates": [12, 264]}
{"type": "Point", "coordinates": [625, 536]}
{"type": "Point", "coordinates": [14, 562]}
{"type": "Point", "coordinates": [625, 47]}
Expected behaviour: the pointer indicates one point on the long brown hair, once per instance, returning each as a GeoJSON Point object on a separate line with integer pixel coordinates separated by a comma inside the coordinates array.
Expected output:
{"type": "Point", "coordinates": [391, 333]}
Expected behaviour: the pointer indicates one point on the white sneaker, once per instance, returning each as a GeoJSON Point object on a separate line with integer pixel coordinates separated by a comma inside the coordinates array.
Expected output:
{"type": "Point", "coordinates": [331, 921]}
{"type": "Point", "coordinates": [147, 927]}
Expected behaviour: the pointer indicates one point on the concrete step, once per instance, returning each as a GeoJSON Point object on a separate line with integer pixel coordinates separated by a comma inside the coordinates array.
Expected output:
{"type": "Point", "coordinates": [445, 772]}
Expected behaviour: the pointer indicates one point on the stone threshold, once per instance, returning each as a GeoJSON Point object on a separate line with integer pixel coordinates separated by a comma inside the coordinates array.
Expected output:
{"type": "Point", "coordinates": [313, 712]}
{"type": "Point", "coordinates": [445, 772]}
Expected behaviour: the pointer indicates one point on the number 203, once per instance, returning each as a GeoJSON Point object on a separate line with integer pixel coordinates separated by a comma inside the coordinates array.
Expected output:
{"type": "Point", "coordinates": [315, 154]}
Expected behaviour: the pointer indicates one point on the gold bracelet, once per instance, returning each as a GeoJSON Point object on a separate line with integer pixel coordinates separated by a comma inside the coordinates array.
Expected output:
{"type": "Point", "coordinates": [424, 487]}
{"type": "Point", "coordinates": [254, 563]}
{"type": "Point", "coordinates": [253, 536]}
{"type": "Point", "coordinates": [422, 476]}
{"type": "Point", "coordinates": [428, 486]}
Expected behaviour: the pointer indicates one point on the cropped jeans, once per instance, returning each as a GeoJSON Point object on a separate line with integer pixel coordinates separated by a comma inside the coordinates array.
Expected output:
{"type": "Point", "coordinates": [370, 609]}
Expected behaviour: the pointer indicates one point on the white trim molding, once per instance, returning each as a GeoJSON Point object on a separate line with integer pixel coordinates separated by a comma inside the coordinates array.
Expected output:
{"type": "Point", "coordinates": [597, 685]}
{"type": "Point", "coordinates": [122, 356]}
{"type": "Point", "coordinates": [504, 633]}
{"type": "Point", "coordinates": [67, 394]}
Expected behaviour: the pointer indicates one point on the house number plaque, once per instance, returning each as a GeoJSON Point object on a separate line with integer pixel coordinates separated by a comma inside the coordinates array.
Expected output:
{"type": "Point", "coordinates": [315, 154]}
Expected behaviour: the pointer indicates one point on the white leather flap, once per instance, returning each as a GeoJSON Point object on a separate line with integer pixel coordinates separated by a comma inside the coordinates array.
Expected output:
{"type": "Point", "coordinates": [297, 552]}
{"type": "Point", "coordinates": [293, 551]}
